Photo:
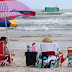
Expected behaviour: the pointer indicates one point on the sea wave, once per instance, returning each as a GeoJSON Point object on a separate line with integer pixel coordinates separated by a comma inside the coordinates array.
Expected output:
{"type": "Point", "coordinates": [34, 28]}
{"type": "Point", "coordinates": [60, 20]}
{"type": "Point", "coordinates": [40, 28]}
{"type": "Point", "coordinates": [2, 28]}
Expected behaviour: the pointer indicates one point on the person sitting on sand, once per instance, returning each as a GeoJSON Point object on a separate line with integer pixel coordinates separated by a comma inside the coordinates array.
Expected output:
{"type": "Point", "coordinates": [51, 57]}
{"type": "Point", "coordinates": [6, 49]}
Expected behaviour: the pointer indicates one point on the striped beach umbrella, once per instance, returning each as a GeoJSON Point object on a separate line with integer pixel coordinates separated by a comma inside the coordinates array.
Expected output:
{"type": "Point", "coordinates": [10, 23]}
{"type": "Point", "coordinates": [9, 9]}
{"type": "Point", "coordinates": [14, 8]}
{"type": "Point", "coordinates": [8, 15]}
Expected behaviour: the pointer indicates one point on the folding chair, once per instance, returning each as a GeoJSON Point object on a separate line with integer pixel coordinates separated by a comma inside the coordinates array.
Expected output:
{"type": "Point", "coordinates": [50, 49]}
{"type": "Point", "coordinates": [3, 57]}
{"type": "Point", "coordinates": [69, 56]}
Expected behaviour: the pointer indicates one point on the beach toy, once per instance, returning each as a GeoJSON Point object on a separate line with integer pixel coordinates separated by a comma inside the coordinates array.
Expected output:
{"type": "Point", "coordinates": [63, 59]}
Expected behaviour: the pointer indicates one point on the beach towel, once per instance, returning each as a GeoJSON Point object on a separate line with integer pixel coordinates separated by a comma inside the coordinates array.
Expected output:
{"type": "Point", "coordinates": [50, 47]}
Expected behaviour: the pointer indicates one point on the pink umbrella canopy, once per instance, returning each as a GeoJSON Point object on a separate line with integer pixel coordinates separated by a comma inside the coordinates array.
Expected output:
{"type": "Point", "coordinates": [13, 6]}
{"type": "Point", "coordinates": [9, 15]}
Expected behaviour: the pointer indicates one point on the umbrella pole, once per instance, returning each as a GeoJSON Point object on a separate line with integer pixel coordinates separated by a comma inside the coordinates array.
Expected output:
{"type": "Point", "coordinates": [7, 36]}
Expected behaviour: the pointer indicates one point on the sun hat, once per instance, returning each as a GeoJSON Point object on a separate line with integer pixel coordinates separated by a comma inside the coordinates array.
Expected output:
{"type": "Point", "coordinates": [47, 40]}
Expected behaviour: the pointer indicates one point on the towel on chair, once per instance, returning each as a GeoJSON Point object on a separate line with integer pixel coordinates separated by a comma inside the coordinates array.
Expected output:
{"type": "Point", "coordinates": [49, 47]}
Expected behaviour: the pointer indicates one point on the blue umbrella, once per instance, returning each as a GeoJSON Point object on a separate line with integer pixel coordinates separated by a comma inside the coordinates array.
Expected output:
{"type": "Point", "coordinates": [10, 23]}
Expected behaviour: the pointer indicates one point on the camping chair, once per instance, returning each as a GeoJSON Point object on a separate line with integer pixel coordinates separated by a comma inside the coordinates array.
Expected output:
{"type": "Point", "coordinates": [3, 57]}
{"type": "Point", "coordinates": [69, 56]}
{"type": "Point", "coordinates": [50, 49]}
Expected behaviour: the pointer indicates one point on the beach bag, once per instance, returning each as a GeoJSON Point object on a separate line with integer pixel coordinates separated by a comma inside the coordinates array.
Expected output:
{"type": "Point", "coordinates": [52, 64]}
{"type": "Point", "coordinates": [38, 63]}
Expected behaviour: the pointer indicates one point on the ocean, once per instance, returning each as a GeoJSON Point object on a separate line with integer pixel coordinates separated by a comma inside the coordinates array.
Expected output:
{"type": "Point", "coordinates": [34, 29]}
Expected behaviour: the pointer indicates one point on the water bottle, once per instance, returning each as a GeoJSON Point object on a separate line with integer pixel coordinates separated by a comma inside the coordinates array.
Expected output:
{"type": "Point", "coordinates": [33, 47]}
{"type": "Point", "coordinates": [28, 48]}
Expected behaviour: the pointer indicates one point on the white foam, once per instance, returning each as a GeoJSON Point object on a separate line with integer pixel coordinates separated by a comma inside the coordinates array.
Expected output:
{"type": "Point", "coordinates": [68, 13]}
{"type": "Point", "coordinates": [2, 28]}
{"type": "Point", "coordinates": [40, 28]}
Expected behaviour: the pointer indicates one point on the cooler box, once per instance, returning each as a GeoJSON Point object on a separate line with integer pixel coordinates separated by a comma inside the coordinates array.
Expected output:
{"type": "Point", "coordinates": [30, 58]}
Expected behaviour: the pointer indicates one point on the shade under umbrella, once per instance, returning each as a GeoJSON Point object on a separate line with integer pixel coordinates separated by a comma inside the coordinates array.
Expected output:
{"type": "Point", "coordinates": [10, 23]}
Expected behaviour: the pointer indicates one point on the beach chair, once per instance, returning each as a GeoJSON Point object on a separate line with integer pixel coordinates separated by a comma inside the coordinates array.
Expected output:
{"type": "Point", "coordinates": [3, 57]}
{"type": "Point", "coordinates": [48, 49]}
{"type": "Point", "coordinates": [69, 56]}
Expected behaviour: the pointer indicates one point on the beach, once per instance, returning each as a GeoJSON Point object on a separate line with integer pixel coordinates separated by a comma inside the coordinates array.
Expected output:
{"type": "Point", "coordinates": [19, 64]}
{"type": "Point", "coordinates": [33, 30]}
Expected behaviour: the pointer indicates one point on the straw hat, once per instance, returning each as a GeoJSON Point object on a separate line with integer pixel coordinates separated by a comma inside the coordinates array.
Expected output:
{"type": "Point", "coordinates": [47, 40]}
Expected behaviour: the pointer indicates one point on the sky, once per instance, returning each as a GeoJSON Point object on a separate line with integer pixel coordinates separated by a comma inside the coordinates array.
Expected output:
{"type": "Point", "coordinates": [41, 4]}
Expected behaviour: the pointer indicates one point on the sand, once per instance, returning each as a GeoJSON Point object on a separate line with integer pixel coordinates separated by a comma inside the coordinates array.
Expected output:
{"type": "Point", "coordinates": [19, 64]}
